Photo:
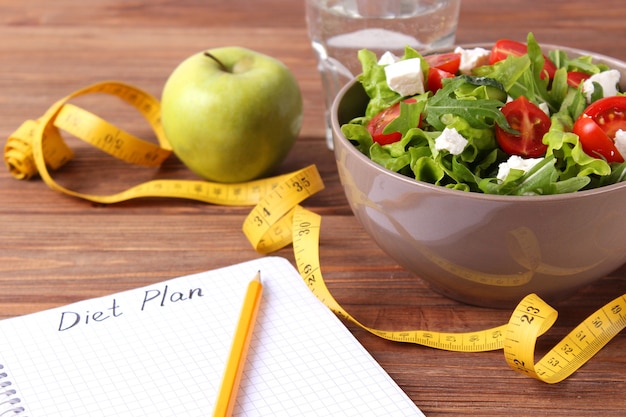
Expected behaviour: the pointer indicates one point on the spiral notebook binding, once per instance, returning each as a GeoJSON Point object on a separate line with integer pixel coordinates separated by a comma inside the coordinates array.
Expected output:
{"type": "Point", "coordinates": [9, 402]}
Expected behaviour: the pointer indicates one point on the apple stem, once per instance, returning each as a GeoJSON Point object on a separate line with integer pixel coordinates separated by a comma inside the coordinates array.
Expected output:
{"type": "Point", "coordinates": [210, 55]}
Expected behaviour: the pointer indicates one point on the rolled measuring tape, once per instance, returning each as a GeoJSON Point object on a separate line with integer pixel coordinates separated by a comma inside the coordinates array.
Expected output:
{"type": "Point", "coordinates": [277, 220]}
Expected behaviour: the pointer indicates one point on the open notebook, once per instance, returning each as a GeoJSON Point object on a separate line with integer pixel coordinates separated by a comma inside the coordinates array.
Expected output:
{"type": "Point", "coordinates": [161, 351]}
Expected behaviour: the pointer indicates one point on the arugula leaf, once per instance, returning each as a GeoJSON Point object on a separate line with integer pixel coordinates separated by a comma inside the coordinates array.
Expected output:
{"type": "Point", "coordinates": [583, 63]}
{"type": "Point", "coordinates": [573, 104]}
{"type": "Point", "coordinates": [541, 179]}
{"type": "Point", "coordinates": [479, 114]}
{"type": "Point", "coordinates": [537, 62]}
{"type": "Point", "coordinates": [560, 88]}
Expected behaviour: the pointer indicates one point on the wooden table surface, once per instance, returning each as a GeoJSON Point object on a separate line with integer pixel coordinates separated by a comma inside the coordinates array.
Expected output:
{"type": "Point", "coordinates": [56, 249]}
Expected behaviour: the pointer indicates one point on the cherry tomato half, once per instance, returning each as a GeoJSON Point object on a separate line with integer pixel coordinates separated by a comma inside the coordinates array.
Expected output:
{"type": "Point", "coordinates": [505, 47]}
{"type": "Point", "coordinates": [449, 62]}
{"type": "Point", "coordinates": [531, 122]}
{"type": "Point", "coordinates": [435, 77]}
{"type": "Point", "coordinates": [574, 78]}
{"type": "Point", "coordinates": [378, 123]}
{"type": "Point", "coordinates": [597, 126]}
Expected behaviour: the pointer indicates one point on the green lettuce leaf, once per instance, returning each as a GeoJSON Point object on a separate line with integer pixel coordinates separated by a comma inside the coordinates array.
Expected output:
{"type": "Point", "coordinates": [375, 83]}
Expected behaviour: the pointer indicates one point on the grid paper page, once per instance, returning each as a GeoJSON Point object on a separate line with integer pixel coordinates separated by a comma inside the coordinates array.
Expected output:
{"type": "Point", "coordinates": [161, 351]}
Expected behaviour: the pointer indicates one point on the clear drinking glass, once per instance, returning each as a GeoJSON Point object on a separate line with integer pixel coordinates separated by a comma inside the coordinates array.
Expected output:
{"type": "Point", "coordinates": [340, 28]}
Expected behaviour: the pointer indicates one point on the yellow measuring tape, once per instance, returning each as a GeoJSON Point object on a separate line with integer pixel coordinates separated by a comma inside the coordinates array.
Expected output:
{"type": "Point", "coordinates": [277, 220]}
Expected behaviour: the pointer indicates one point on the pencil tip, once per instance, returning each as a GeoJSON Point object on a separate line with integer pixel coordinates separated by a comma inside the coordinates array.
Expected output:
{"type": "Point", "coordinates": [257, 277]}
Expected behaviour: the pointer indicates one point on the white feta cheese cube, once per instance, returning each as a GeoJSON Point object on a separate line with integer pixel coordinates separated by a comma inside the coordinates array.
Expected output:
{"type": "Point", "coordinates": [451, 141]}
{"type": "Point", "coordinates": [388, 58]}
{"type": "Point", "coordinates": [405, 77]}
{"type": "Point", "coordinates": [607, 79]}
{"type": "Point", "coordinates": [472, 58]}
{"type": "Point", "coordinates": [516, 162]}
{"type": "Point", "coordinates": [620, 142]}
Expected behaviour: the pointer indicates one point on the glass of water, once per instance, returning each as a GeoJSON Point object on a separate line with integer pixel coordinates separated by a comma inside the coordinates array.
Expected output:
{"type": "Point", "coordinates": [340, 28]}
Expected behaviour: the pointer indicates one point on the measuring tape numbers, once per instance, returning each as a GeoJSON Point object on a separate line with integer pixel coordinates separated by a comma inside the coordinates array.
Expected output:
{"type": "Point", "coordinates": [277, 220]}
{"type": "Point", "coordinates": [531, 318]}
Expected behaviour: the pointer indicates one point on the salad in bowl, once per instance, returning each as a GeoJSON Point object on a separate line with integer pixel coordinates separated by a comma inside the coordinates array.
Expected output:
{"type": "Point", "coordinates": [506, 121]}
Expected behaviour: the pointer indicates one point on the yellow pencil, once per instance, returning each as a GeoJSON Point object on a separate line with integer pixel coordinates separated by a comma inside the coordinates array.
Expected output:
{"type": "Point", "coordinates": [239, 350]}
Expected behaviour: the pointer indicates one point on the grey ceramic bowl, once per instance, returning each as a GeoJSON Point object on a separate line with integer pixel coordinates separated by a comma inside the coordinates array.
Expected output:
{"type": "Point", "coordinates": [483, 249]}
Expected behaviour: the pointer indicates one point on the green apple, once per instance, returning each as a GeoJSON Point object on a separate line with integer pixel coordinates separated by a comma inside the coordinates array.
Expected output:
{"type": "Point", "coordinates": [231, 114]}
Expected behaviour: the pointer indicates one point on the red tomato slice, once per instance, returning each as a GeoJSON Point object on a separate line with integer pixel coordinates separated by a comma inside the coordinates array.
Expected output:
{"type": "Point", "coordinates": [435, 77]}
{"type": "Point", "coordinates": [574, 78]}
{"type": "Point", "coordinates": [597, 126]}
{"type": "Point", "coordinates": [449, 62]}
{"type": "Point", "coordinates": [505, 47]}
{"type": "Point", "coordinates": [594, 141]}
{"type": "Point", "coordinates": [378, 123]}
{"type": "Point", "coordinates": [609, 113]}
{"type": "Point", "coordinates": [531, 122]}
